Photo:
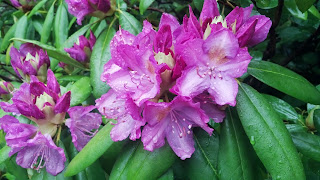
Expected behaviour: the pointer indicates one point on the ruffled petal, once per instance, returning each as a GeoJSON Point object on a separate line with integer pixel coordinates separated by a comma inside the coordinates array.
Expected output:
{"type": "Point", "coordinates": [209, 10]}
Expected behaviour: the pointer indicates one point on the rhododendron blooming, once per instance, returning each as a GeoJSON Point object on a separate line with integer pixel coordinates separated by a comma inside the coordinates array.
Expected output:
{"type": "Point", "coordinates": [178, 77]}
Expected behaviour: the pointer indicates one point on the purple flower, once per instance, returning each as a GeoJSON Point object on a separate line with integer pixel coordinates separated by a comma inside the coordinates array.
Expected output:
{"type": "Point", "coordinates": [81, 51]}
{"type": "Point", "coordinates": [40, 152]}
{"type": "Point", "coordinates": [41, 103]}
{"type": "Point", "coordinates": [212, 65]}
{"type": "Point", "coordinates": [30, 60]}
{"type": "Point", "coordinates": [83, 125]}
{"type": "Point", "coordinates": [81, 8]}
{"type": "Point", "coordinates": [125, 112]}
{"type": "Point", "coordinates": [34, 149]}
{"type": "Point", "coordinates": [173, 121]}
{"type": "Point", "coordinates": [5, 90]}
{"type": "Point", "coordinates": [249, 30]}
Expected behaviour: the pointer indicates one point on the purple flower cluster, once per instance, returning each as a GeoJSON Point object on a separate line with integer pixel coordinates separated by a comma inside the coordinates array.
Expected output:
{"type": "Point", "coordinates": [46, 107]}
{"type": "Point", "coordinates": [178, 77]}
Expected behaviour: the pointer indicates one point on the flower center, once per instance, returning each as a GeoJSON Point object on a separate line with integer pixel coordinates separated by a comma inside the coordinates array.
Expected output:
{"type": "Point", "coordinates": [208, 70]}
{"type": "Point", "coordinates": [43, 99]}
{"type": "Point", "coordinates": [40, 158]}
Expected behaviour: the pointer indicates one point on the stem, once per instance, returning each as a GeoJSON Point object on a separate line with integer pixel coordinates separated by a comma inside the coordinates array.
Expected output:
{"type": "Point", "coordinates": [58, 134]}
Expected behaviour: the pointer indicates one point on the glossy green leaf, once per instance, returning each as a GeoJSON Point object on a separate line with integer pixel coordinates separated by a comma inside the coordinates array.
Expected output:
{"type": "Point", "coordinates": [55, 53]}
{"type": "Point", "coordinates": [100, 55]}
{"type": "Point", "coordinates": [294, 10]}
{"type": "Point", "coordinates": [21, 31]}
{"type": "Point", "coordinates": [267, 4]}
{"type": "Point", "coordinates": [168, 175]}
{"type": "Point", "coordinates": [284, 110]}
{"type": "Point", "coordinates": [304, 5]}
{"type": "Point", "coordinates": [47, 25]}
{"type": "Point", "coordinates": [4, 154]}
{"type": "Point", "coordinates": [13, 168]}
{"type": "Point", "coordinates": [91, 152]}
{"type": "Point", "coordinates": [110, 156]}
{"type": "Point", "coordinates": [284, 80]}
{"type": "Point", "coordinates": [204, 161]}
{"type": "Point", "coordinates": [94, 171]}
{"type": "Point", "coordinates": [61, 26]}
{"type": "Point", "coordinates": [44, 175]}
{"type": "Point", "coordinates": [144, 4]}
{"type": "Point", "coordinates": [234, 154]}
{"type": "Point", "coordinates": [129, 22]}
{"type": "Point", "coordinates": [6, 39]}
{"type": "Point", "coordinates": [37, 23]}
{"type": "Point", "coordinates": [268, 135]}
{"type": "Point", "coordinates": [308, 144]}
{"type": "Point", "coordinates": [313, 10]}
{"type": "Point", "coordinates": [70, 78]}
{"type": "Point", "coordinates": [80, 91]}
{"type": "Point", "coordinates": [137, 163]}
{"type": "Point", "coordinates": [36, 8]}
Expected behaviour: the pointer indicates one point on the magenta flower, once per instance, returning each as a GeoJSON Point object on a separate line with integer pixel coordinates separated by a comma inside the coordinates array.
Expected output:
{"type": "Point", "coordinates": [81, 8]}
{"type": "Point", "coordinates": [248, 30]}
{"type": "Point", "coordinates": [173, 121]}
{"type": "Point", "coordinates": [83, 125]}
{"type": "Point", "coordinates": [41, 103]}
{"type": "Point", "coordinates": [24, 5]}
{"type": "Point", "coordinates": [33, 149]}
{"type": "Point", "coordinates": [30, 60]}
{"type": "Point", "coordinates": [40, 152]}
{"type": "Point", "coordinates": [81, 51]}
{"type": "Point", "coordinates": [125, 112]}
{"type": "Point", "coordinates": [5, 90]}
{"type": "Point", "coordinates": [212, 65]}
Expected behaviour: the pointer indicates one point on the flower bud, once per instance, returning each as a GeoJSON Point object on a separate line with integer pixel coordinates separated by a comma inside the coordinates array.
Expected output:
{"type": "Point", "coordinates": [5, 90]}
{"type": "Point", "coordinates": [24, 5]}
{"type": "Point", "coordinates": [30, 60]}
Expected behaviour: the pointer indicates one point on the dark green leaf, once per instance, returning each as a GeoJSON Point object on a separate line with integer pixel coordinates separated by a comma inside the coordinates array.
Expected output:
{"type": "Point", "coordinates": [36, 8]}
{"type": "Point", "coordinates": [198, 4]}
{"type": "Point", "coordinates": [47, 25]}
{"type": "Point", "coordinates": [80, 91]}
{"type": "Point", "coordinates": [267, 4]}
{"type": "Point", "coordinates": [55, 53]}
{"type": "Point", "coordinates": [91, 152]}
{"type": "Point", "coordinates": [304, 5]}
{"type": "Point", "coordinates": [284, 80]}
{"type": "Point", "coordinates": [294, 10]}
{"type": "Point", "coordinates": [234, 154]}
{"type": "Point", "coordinates": [168, 175]}
{"type": "Point", "coordinates": [6, 39]}
{"type": "Point", "coordinates": [144, 4]}
{"type": "Point", "coordinates": [313, 10]}
{"type": "Point", "coordinates": [74, 37]}
{"type": "Point", "coordinates": [316, 119]}
{"type": "Point", "coordinates": [129, 22]}
{"type": "Point", "coordinates": [61, 26]}
{"type": "Point", "coordinates": [268, 135]}
{"type": "Point", "coordinates": [204, 161]}
{"type": "Point", "coordinates": [137, 163]}
{"type": "Point", "coordinates": [284, 110]}
{"type": "Point", "coordinates": [21, 31]}
{"type": "Point", "coordinates": [13, 168]}
{"type": "Point", "coordinates": [100, 55]}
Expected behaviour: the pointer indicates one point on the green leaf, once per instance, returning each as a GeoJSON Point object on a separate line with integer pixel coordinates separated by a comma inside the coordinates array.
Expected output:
{"type": "Point", "coordinates": [100, 55]}
{"type": "Point", "coordinates": [21, 31]}
{"type": "Point", "coordinates": [294, 10]}
{"type": "Point", "coordinates": [61, 26]}
{"type": "Point", "coordinates": [308, 144]}
{"type": "Point", "coordinates": [80, 91]}
{"type": "Point", "coordinates": [267, 4]}
{"type": "Point", "coordinates": [284, 80]}
{"type": "Point", "coordinates": [234, 153]}
{"type": "Point", "coordinates": [47, 25]}
{"type": "Point", "coordinates": [284, 110]}
{"type": "Point", "coordinates": [129, 23]}
{"type": "Point", "coordinates": [268, 135]}
{"type": "Point", "coordinates": [144, 4]}
{"type": "Point", "coordinates": [94, 171]}
{"type": "Point", "coordinates": [168, 175]}
{"type": "Point", "coordinates": [70, 78]}
{"type": "Point", "coordinates": [44, 175]}
{"type": "Point", "coordinates": [204, 160]}
{"type": "Point", "coordinates": [36, 8]}
{"type": "Point", "coordinates": [304, 5]}
{"type": "Point", "coordinates": [137, 163]}
{"type": "Point", "coordinates": [74, 37]}
{"type": "Point", "coordinates": [55, 53]}
{"type": "Point", "coordinates": [316, 119]}
{"type": "Point", "coordinates": [198, 4]}
{"type": "Point", "coordinates": [313, 10]}
{"type": "Point", "coordinates": [6, 39]}
{"type": "Point", "coordinates": [13, 168]}
{"type": "Point", "coordinates": [91, 152]}
{"type": "Point", "coordinates": [4, 154]}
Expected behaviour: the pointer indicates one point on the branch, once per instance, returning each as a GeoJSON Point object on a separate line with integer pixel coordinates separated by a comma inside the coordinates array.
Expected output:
{"type": "Point", "coordinates": [271, 48]}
